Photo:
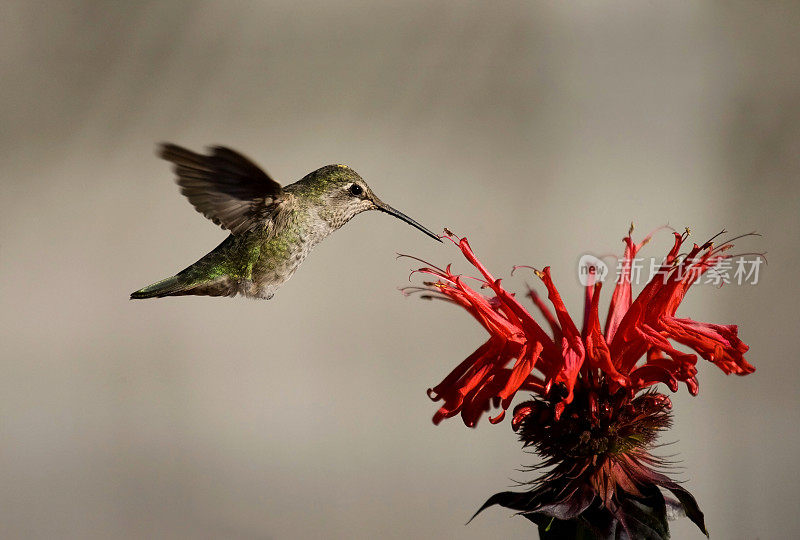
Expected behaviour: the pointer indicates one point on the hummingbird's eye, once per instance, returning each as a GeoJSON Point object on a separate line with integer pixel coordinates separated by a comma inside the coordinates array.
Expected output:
{"type": "Point", "coordinates": [356, 190]}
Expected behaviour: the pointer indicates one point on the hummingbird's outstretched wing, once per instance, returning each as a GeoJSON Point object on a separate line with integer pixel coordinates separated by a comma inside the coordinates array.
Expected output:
{"type": "Point", "coordinates": [224, 186]}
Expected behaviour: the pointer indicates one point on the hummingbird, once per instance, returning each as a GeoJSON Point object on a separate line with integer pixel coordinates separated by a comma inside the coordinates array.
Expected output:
{"type": "Point", "coordinates": [272, 228]}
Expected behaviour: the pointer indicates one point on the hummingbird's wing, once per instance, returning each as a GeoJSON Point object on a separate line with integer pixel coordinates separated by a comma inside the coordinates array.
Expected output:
{"type": "Point", "coordinates": [224, 186]}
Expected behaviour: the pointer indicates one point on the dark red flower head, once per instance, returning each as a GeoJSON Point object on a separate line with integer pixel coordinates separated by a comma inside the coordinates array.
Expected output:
{"type": "Point", "coordinates": [594, 414]}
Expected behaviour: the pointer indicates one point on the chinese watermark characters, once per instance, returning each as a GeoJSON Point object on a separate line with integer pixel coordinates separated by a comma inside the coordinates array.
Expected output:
{"type": "Point", "coordinates": [740, 270]}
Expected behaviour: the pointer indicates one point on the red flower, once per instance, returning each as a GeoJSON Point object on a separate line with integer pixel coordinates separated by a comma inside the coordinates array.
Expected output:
{"type": "Point", "coordinates": [595, 415]}
{"type": "Point", "coordinates": [634, 352]}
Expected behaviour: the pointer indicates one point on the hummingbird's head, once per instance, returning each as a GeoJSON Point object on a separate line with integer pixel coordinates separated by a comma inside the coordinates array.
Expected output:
{"type": "Point", "coordinates": [342, 193]}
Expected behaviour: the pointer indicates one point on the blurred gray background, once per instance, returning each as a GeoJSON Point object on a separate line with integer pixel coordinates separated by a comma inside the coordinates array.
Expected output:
{"type": "Point", "coordinates": [538, 130]}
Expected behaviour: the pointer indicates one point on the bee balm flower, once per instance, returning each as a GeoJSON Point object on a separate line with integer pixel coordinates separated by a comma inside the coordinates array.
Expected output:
{"type": "Point", "coordinates": [595, 414]}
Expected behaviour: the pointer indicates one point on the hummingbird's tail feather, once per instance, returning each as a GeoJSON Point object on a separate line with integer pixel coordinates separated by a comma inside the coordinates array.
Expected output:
{"type": "Point", "coordinates": [206, 277]}
{"type": "Point", "coordinates": [181, 285]}
{"type": "Point", "coordinates": [166, 287]}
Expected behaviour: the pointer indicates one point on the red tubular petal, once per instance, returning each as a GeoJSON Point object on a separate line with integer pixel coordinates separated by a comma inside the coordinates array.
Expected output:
{"type": "Point", "coordinates": [495, 322]}
{"type": "Point", "coordinates": [568, 327]}
{"type": "Point", "coordinates": [466, 249]}
{"type": "Point", "coordinates": [621, 297]}
{"type": "Point", "coordinates": [573, 360]}
{"type": "Point", "coordinates": [498, 418]}
{"type": "Point", "coordinates": [521, 411]}
{"type": "Point", "coordinates": [479, 400]}
{"type": "Point", "coordinates": [572, 349]}
{"type": "Point", "coordinates": [589, 293]}
{"type": "Point", "coordinates": [597, 354]}
{"type": "Point", "coordinates": [680, 279]}
{"type": "Point", "coordinates": [447, 385]}
{"type": "Point", "coordinates": [529, 325]}
{"type": "Point", "coordinates": [520, 373]}
{"type": "Point", "coordinates": [649, 375]}
{"type": "Point", "coordinates": [546, 313]}
{"type": "Point", "coordinates": [657, 341]}
{"type": "Point", "coordinates": [716, 343]}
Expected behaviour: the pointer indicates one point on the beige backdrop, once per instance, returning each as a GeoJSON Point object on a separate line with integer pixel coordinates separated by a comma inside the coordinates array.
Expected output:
{"type": "Point", "coordinates": [539, 130]}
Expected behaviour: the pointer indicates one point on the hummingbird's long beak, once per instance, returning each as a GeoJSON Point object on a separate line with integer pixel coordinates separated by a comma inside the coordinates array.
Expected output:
{"type": "Point", "coordinates": [383, 207]}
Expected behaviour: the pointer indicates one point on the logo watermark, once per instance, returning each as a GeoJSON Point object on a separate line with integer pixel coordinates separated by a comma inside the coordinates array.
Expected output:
{"type": "Point", "coordinates": [591, 269]}
{"type": "Point", "coordinates": [741, 270]}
